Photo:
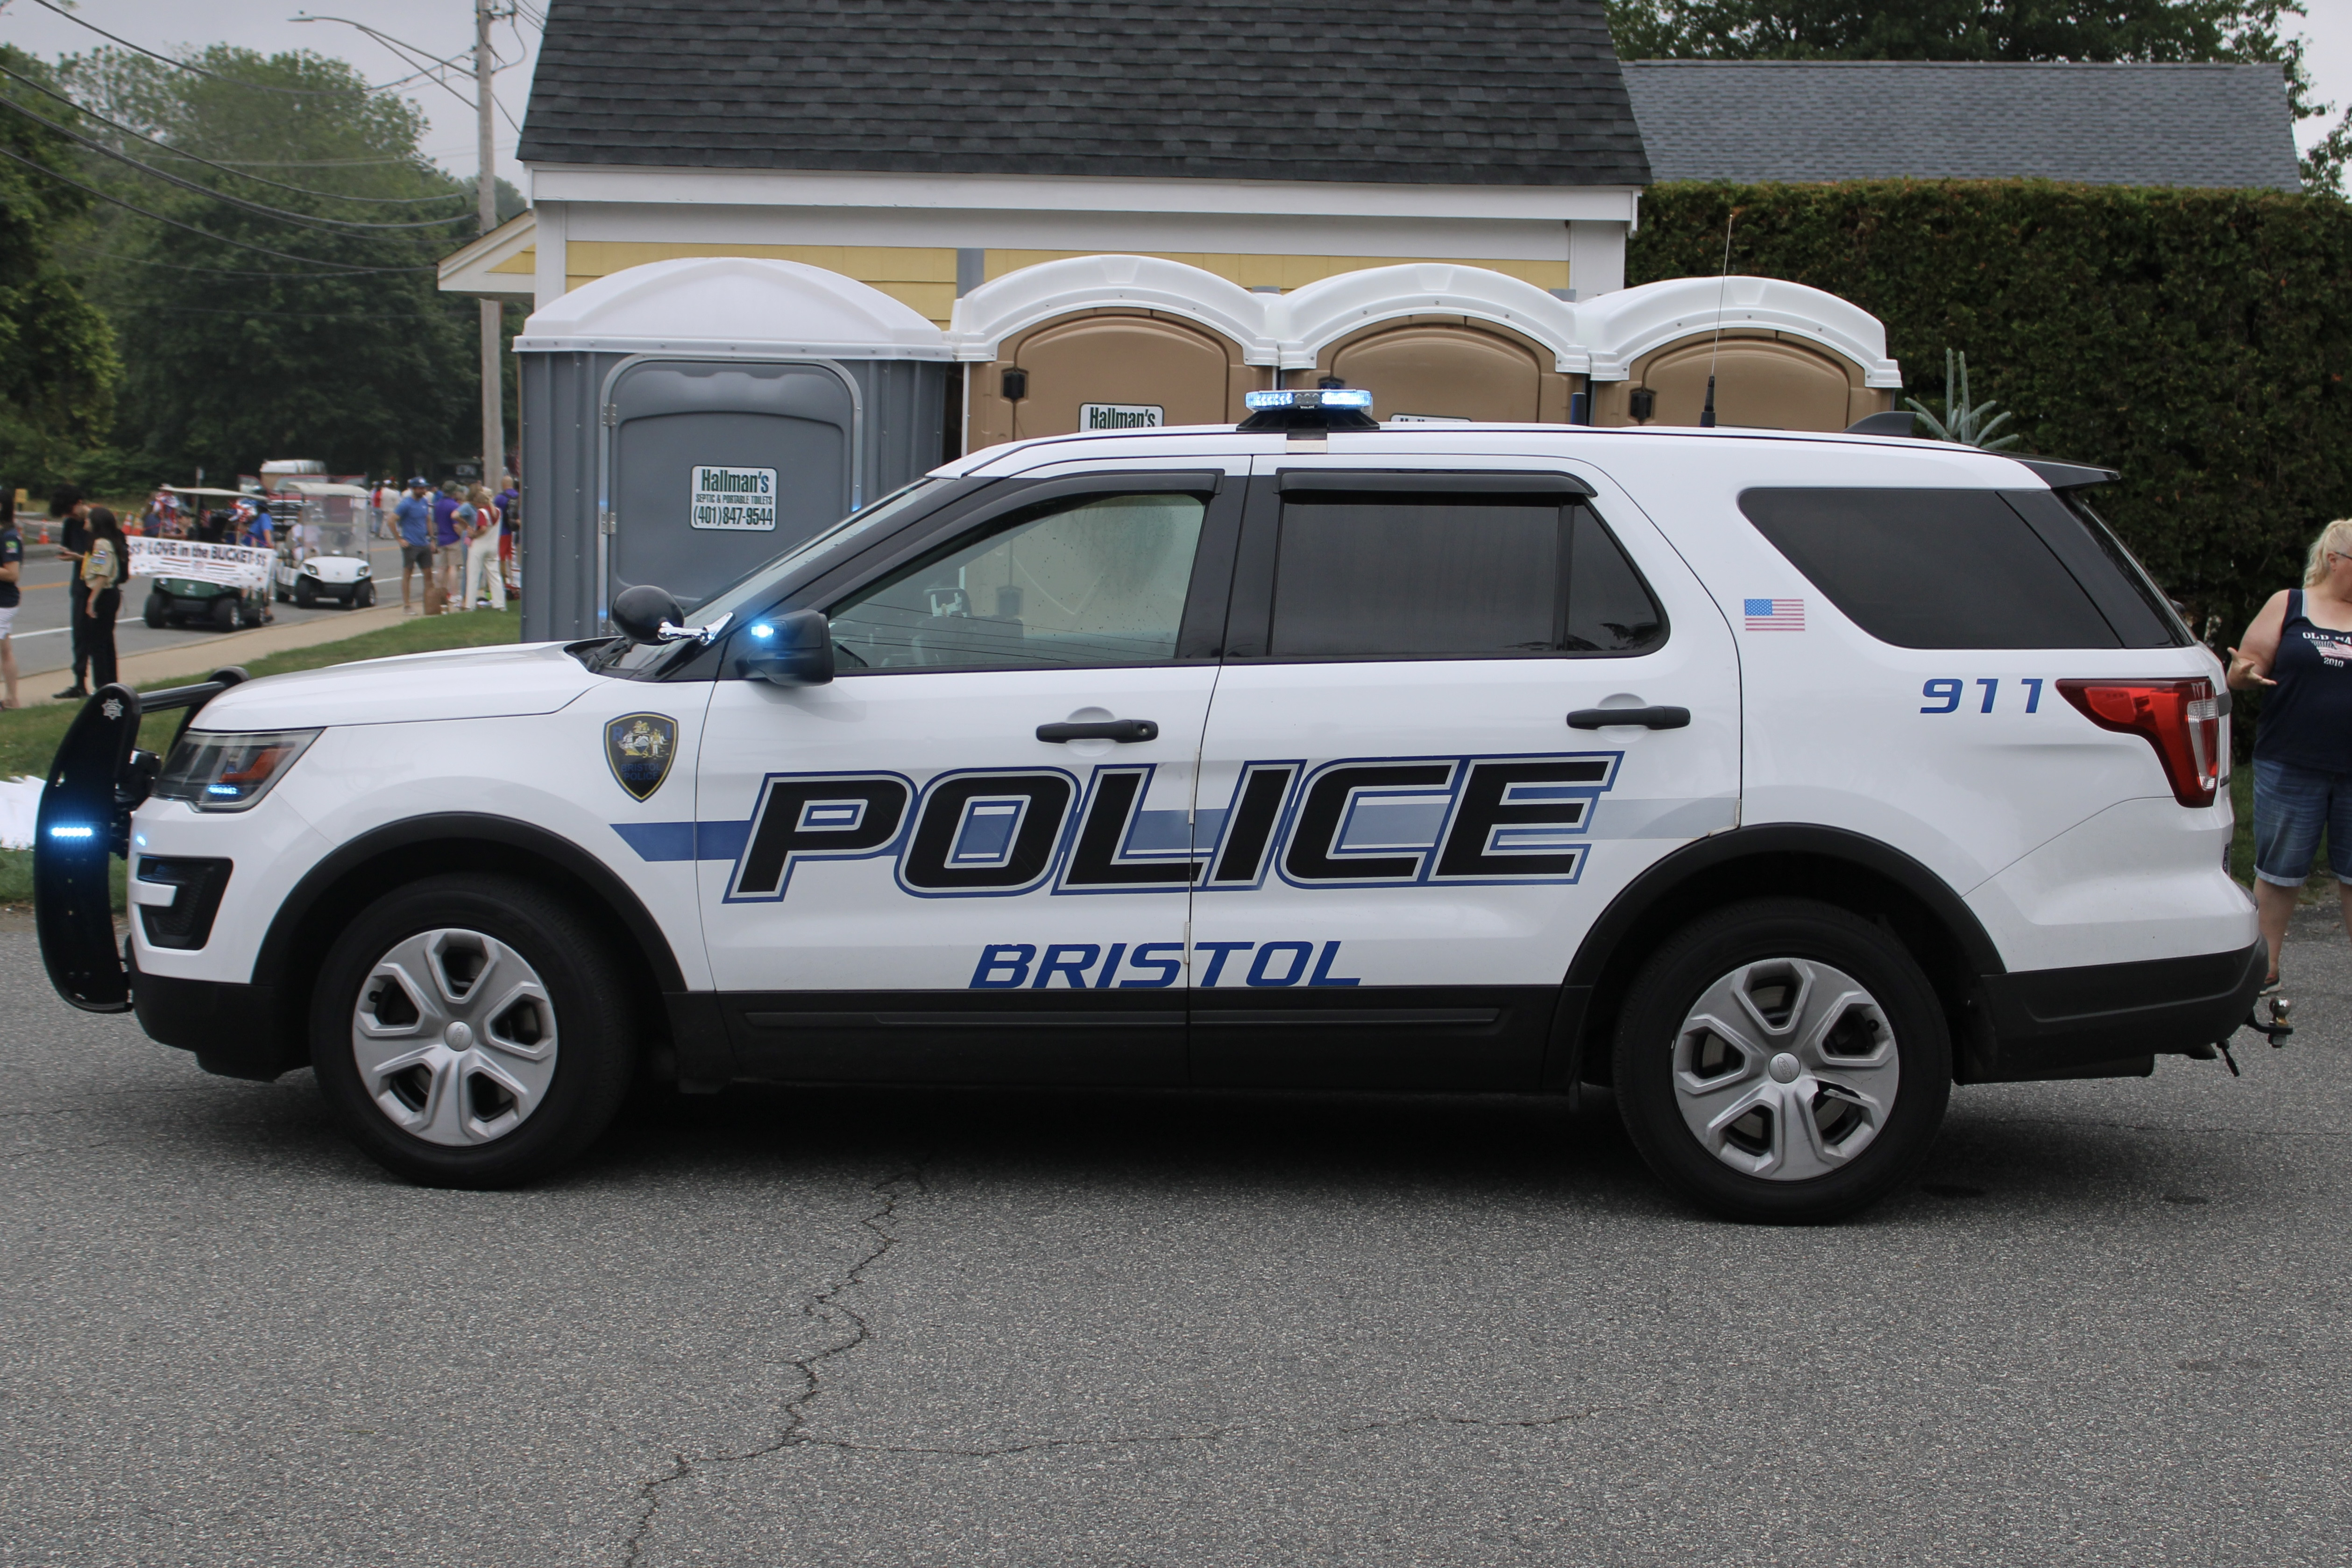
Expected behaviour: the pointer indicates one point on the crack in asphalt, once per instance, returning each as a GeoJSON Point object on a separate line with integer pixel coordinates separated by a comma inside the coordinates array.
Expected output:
{"type": "Point", "coordinates": [826, 1307]}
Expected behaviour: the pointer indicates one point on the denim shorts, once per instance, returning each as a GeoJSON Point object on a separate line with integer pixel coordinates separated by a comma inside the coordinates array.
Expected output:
{"type": "Point", "coordinates": [2292, 804]}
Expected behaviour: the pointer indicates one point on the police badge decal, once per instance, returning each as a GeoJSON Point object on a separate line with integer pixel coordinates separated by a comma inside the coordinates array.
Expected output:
{"type": "Point", "coordinates": [639, 747]}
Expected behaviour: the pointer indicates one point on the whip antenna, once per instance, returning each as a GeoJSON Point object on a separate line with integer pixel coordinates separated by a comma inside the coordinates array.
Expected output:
{"type": "Point", "coordinates": [1706, 415]}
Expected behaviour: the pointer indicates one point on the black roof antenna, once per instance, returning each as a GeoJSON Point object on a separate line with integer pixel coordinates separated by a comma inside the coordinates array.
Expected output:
{"type": "Point", "coordinates": [1706, 415]}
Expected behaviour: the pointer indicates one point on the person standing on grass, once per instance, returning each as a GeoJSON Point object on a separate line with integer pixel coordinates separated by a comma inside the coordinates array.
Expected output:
{"type": "Point", "coordinates": [101, 590]}
{"type": "Point", "coordinates": [413, 518]}
{"type": "Point", "coordinates": [66, 502]}
{"type": "Point", "coordinates": [482, 551]}
{"type": "Point", "coordinates": [12, 568]}
{"type": "Point", "coordinates": [445, 535]}
{"type": "Point", "coordinates": [2299, 650]}
{"type": "Point", "coordinates": [510, 505]}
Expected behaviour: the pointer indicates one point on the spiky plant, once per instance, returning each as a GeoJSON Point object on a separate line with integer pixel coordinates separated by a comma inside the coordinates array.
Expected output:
{"type": "Point", "coordinates": [1965, 425]}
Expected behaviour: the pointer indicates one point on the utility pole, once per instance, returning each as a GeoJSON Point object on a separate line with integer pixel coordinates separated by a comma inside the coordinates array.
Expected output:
{"type": "Point", "coordinates": [494, 423]}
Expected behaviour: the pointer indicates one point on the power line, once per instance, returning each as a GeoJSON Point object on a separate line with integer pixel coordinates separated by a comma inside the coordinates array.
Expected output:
{"type": "Point", "coordinates": [342, 267]}
{"type": "Point", "coordinates": [300, 220]}
{"type": "Point", "coordinates": [300, 315]}
{"type": "Point", "coordinates": [183, 65]}
{"type": "Point", "coordinates": [223, 168]}
{"type": "Point", "coordinates": [214, 271]}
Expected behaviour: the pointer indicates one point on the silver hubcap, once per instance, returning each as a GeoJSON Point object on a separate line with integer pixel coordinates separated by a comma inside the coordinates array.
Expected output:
{"type": "Point", "coordinates": [1785, 1069]}
{"type": "Point", "coordinates": [455, 1038]}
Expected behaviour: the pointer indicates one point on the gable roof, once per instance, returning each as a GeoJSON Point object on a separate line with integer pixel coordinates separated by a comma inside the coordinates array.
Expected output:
{"type": "Point", "coordinates": [1865, 120]}
{"type": "Point", "coordinates": [1473, 92]}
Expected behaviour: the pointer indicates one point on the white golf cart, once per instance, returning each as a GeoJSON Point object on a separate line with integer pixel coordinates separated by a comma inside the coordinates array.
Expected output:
{"type": "Point", "coordinates": [323, 555]}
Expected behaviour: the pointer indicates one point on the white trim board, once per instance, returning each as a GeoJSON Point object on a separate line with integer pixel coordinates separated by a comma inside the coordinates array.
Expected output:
{"type": "Point", "coordinates": [1044, 192]}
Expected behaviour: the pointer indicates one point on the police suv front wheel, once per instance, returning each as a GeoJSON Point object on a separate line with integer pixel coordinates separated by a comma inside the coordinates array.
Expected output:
{"type": "Point", "coordinates": [468, 1032]}
{"type": "Point", "coordinates": [1782, 1060]}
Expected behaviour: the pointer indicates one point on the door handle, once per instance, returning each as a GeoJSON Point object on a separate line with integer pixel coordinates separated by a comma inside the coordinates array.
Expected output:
{"type": "Point", "coordinates": [1645, 718]}
{"type": "Point", "coordinates": [1123, 730]}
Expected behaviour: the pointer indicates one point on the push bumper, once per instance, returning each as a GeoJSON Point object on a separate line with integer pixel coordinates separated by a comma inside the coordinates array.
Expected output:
{"type": "Point", "coordinates": [2107, 1020]}
{"type": "Point", "coordinates": [96, 780]}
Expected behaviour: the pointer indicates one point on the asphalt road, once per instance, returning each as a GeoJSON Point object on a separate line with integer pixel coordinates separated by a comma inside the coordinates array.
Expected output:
{"type": "Point", "coordinates": [942, 1327]}
{"type": "Point", "coordinates": [44, 643]}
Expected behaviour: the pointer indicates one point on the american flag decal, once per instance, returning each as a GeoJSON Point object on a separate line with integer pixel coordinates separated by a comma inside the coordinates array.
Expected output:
{"type": "Point", "coordinates": [1776, 614]}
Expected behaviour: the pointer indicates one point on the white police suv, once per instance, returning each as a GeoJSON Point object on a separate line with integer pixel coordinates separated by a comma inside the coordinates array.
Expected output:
{"type": "Point", "coordinates": [1780, 782]}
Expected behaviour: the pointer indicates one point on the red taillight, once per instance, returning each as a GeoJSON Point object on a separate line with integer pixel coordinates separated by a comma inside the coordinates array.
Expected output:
{"type": "Point", "coordinates": [2181, 719]}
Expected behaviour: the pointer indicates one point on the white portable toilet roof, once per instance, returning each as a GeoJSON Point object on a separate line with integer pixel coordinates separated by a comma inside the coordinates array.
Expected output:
{"type": "Point", "coordinates": [721, 306]}
{"type": "Point", "coordinates": [1620, 327]}
{"type": "Point", "coordinates": [1309, 319]}
{"type": "Point", "coordinates": [1021, 299]}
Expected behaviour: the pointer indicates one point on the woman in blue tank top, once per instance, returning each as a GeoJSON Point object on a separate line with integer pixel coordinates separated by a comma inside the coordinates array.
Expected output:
{"type": "Point", "coordinates": [2300, 649]}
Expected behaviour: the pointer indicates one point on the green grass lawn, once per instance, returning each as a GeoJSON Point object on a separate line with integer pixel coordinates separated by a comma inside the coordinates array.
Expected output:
{"type": "Point", "coordinates": [29, 736]}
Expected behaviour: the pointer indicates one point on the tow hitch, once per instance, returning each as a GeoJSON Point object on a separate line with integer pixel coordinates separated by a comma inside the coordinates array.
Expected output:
{"type": "Point", "coordinates": [96, 780]}
{"type": "Point", "coordinates": [2281, 1009]}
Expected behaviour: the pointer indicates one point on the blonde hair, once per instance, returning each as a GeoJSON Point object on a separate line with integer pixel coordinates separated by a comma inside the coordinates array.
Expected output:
{"type": "Point", "coordinates": [2338, 537]}
{"type": "Point", "coordinates": [480, 496]}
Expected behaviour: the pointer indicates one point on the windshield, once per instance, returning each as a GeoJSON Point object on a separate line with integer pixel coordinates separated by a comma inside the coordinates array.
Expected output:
{"type": "Point", "coordinates": [753, 589]}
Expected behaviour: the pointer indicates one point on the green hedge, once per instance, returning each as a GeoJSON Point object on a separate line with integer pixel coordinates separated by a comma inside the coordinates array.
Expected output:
{"type": "Point", "coordinates": [2196, 340]}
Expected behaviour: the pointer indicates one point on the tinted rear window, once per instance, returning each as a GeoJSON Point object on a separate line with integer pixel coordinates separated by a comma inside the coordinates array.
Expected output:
{"type": "Point", "coordinates": [1418, 576]}
{"type": "Point", "coordinates": [1932, 568]}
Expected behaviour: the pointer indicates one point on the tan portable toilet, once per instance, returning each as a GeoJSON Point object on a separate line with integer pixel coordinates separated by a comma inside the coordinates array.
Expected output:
{"type": "Point", "coordinates": [1435, 340]}
{"type": "Point", "coordinates": [1784, 356]}
{"type": "Point", "coordinates": [1106, 342]}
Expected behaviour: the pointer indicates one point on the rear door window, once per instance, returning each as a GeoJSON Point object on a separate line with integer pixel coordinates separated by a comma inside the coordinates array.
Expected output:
{"type": "Point", "coordinates": [1948, 568]}
{"type": "Point", "coordinates": [1430, 575]}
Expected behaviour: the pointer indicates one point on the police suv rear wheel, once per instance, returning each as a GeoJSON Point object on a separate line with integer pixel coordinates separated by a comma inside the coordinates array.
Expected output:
{"type": "Point", "coordinates": [1782, 1060]}
{"type": "Point", "coordinates": [468, 1032]}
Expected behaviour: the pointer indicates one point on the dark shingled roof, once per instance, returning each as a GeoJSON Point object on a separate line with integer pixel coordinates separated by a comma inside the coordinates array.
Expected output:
{"type": "Point", "coordinates": [1474, 92]}
{"type": "Point", "coordinates": [1865, 120]}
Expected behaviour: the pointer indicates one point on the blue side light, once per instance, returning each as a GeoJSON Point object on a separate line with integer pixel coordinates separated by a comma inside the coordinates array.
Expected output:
{"type": "Point", "coordinates": [67, 830]}
{"type": "Point", "coordinates": [762, 630]}
{"type": "Point", "coordinates": [1317, 397]}
{"type": "Point", "coordinates": [222, 789]}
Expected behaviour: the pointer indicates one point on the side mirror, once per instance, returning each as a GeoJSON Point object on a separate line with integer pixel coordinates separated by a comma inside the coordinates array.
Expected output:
{"type": "Point", "coordinates": [790, 650]}
{"type": "Point", "coordinates": [641, 612]}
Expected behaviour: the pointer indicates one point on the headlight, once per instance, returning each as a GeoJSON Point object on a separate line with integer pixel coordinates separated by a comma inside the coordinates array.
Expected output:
{"type": "Point", "coordinates": [364, 569]}
{"type": "Point", "coordinates": [229, 772]}
{"type": "Point", "coordinates": [312, 567]}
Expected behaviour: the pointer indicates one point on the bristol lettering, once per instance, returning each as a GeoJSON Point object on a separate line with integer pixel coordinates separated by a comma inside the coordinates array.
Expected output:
{"type": "Point", "coordinates": [1154, 965]}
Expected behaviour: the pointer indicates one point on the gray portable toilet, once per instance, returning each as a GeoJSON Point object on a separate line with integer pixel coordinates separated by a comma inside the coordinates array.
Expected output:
{"type": "Point", "coordinates": [684, 421]}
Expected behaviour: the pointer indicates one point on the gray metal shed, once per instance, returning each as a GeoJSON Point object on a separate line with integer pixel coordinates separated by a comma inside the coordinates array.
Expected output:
{"type": "Point", "coordinates": [684, 421]}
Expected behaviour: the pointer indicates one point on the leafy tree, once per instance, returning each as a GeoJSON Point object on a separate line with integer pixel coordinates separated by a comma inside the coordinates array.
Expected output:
{"type": "Point", "coordinates": [268, 263]}
{"type": "Point", "coordinates": [2159, 31]}
{"type": "Point", "coordinates": [58, 365]}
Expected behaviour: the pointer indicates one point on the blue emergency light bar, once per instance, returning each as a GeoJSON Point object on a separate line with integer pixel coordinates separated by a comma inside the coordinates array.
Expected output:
{"type": "Point", "coordinates": [1310, 412]}
{"type": "Point", "coordinates": [1320, 397]}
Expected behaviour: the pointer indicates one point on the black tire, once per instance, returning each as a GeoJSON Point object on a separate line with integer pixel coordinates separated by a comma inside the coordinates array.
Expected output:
{"type": "Point", "coordinates": [362, 596]}
{"type": "Point", "coordinates": [225, 612]}
{"type": "Point", "coordinates": [596, 1048]}
{"type": "Point", "coordinates": [305, 595]}
{"type": "Point", "coordinates": [158, 612]}
{"type": "Point", "coordinates": [1710, 951]}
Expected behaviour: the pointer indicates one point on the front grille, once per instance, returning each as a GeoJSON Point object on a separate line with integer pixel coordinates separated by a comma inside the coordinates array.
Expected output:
{"type": "Point", "coordinates": [187, 922]}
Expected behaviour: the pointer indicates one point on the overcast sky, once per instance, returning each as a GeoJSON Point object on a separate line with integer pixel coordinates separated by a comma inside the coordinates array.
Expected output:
{"type": "Point", "coordinates": [445, 27]}
{"type": "Point", "coordinates": [439, 27]}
